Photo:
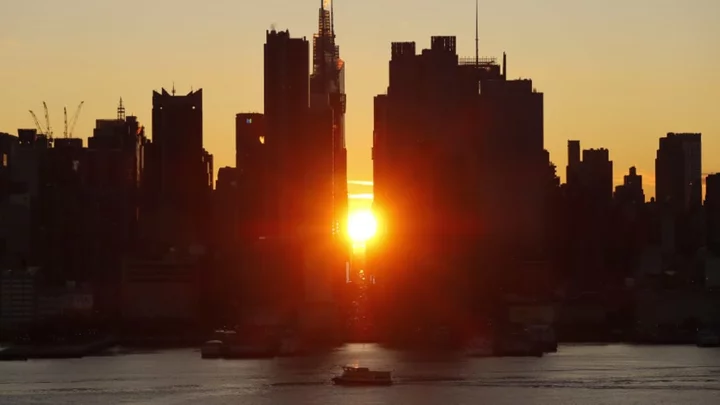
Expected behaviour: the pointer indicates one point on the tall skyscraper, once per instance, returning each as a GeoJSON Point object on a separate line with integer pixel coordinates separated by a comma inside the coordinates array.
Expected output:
{"type": "Point", "coordinates": [178, 179]}
{"type": "Point", "coordinates": [327, 88]}
{"type": "Point", "coordinates": [678, 171]}
{"type": "Point", "coordinates": [287, 98]}
{"type": "Point", "coordinates": [113, 172]}
{"type": "Point", "coordinates": [573, 167]}
{"type": "Point", "coordinates": [459, 163]}
{"type": "Point", "coordinates": [597, 175]}
{"type": "Point", "coordinates": [299, 144]}
{"type": "Point", "coordinates": [251, 159]}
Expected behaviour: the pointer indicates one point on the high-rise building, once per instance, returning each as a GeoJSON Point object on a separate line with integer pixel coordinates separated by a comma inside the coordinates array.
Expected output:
{"type": "Point", "coordinates": [249, 138]}
{"type": "Point", "coordinates": [8, 235]}
{"type": "Point", "coordinates": [179, 171]}
{"type": "Point", "coordinates": [113, 169]}
{"type": "Point", "coordinates": [631, 191]}
{"type": "Point", "coordinates": [597, 175]}
{"type": "Point", "coordinates": [327, 88]}
{"type": "Point", "coordinates": [22, 222]}
{"type": "Point", "coordinates": [590, 174]}
{"type": "Point", "coordinates": [62, 210]}
{"type": "Point", "coordinates": [573, 166]}
{"type": "Point", "coordinates": [464, 116]}
{"type": "Point", "coordinates": [712, 189]}
{"type": "Point", "coordinates": [678, 171]}
{"type": "Point", "coordinates": [712, 212]}
{"type": "Point", "coordinates": [299, 128]}
{"type": "Point", "coordinates": [459, 162]}
{"type": "Point", "coordinates": [252, 163]}
{"type": "Point", "coordinates": [287, 99]}
{"type": "Point", "coordinates": [8, 143]}
{"type": "Point", "coordinates": [178, 133]}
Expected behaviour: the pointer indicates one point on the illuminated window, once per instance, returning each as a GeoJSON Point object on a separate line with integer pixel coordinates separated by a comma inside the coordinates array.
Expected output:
{"type": "Point", "coordinates": [248, 121]}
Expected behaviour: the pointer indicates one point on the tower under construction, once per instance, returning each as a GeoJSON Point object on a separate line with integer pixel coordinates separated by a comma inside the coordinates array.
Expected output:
{"type": "Point", "coordinates": [327, 87]}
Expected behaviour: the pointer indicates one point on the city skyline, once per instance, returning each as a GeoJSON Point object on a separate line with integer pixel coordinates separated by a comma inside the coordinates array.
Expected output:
{"type": "Point", "coordinates": [522, 180]}
{"type": "Point", "coordinates": [131, 59]}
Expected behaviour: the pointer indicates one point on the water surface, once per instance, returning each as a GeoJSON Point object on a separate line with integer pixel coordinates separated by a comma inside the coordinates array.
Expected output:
{"type": "Point", "coordinates": [577, 374]}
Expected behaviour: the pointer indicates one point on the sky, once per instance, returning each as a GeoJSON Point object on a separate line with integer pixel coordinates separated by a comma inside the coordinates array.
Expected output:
{"type": "Point", "coordinates": [617, 73]}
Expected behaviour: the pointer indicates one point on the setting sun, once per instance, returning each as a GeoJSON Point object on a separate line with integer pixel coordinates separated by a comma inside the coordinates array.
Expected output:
{"type": "Point", "coordinates": [361, 226]}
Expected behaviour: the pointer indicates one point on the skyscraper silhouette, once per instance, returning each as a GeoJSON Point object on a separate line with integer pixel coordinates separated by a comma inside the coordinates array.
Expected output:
{"type": "Point", "coordinates": [179, 178]}
{"type": "Point", "coordinates": [459, 163]}
{"type": "Point", "coordinates": [287, 98]}
{"type": "Point", "coordinates": [327, 88]}
{"type": "Point", "coordinates": [678, 171]}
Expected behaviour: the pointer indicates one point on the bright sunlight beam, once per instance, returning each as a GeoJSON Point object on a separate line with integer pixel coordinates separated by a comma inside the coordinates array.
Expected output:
{"type": "Point", "coordinates": [361, 226]}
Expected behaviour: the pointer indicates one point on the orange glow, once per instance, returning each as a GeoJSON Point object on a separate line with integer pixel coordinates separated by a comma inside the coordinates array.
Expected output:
{"type": "Point", "coordinates": [362, 226]}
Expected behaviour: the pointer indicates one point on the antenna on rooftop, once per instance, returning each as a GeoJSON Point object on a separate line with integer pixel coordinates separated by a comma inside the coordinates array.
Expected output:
{"type": "Point", "coordinates": [173, 89]}
{"type": "Point", "coordinates": [121, 110]}
{"type": "Point", "coordinates": [332, 17]}
{"type": "Point", "coordinates": [477, 36]}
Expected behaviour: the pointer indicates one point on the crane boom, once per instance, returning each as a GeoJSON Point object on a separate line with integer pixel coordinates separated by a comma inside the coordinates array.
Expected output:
{"type": "Point", "coordinates": [47, 121]}
{"type": "Point", "coordinates": [37, 123]}
{"type": "Point", "coordinates": [65, 133]}
{"type": "Point", "coordinates": [75, 118]}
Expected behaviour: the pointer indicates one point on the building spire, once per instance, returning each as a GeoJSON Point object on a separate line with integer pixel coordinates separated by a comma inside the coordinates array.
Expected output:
{"type": "Point", "coordinates": [477, 36]}
{"type": "Point", "coordinates": [121, 111]}
{"type": "Point", "coordinates": [332, 17]}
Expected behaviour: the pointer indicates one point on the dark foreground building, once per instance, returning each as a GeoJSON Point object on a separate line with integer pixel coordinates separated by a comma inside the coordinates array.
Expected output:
{"type": "Point", "coordinates": [179, 174]}
{"type": "Point", "coordinates": [460, 177]}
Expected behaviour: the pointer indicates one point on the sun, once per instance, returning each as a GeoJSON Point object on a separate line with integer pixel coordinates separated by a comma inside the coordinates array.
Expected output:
{"type": "Point", "coordinates": [361, 226]}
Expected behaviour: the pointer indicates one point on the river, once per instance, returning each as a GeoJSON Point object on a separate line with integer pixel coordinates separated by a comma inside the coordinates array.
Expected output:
{"type": "Point", "coordinates": [577, 374]}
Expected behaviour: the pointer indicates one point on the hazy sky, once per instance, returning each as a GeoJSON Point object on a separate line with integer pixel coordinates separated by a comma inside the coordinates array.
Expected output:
{"type": "Point", "coordinates": [615, 73]}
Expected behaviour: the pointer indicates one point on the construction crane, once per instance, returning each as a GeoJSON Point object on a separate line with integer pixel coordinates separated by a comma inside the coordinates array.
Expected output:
{"type": "Point", "coordinates": [49, 132]}
{"type": "Point", "coordinates": [69, 132]}
{"type": "Point", "coordinates": [39, 127]}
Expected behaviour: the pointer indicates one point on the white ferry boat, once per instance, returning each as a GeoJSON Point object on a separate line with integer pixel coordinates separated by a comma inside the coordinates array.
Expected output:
{"type": "Point", "coordinates": [363, 376]}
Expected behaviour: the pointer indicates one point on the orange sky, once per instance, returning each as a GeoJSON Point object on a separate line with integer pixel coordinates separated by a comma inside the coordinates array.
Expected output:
{"type": "Point", "coordinates": [616, 74]}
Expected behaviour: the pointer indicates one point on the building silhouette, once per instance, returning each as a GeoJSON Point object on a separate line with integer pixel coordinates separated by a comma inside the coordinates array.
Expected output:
{"type": "Point", "coordinates": [597, 175]}
{"type": "Point", "coordinates": [678, 171]}
{"type": "Point", "coordinates": [287, 98]}
{"type": "Point", "coordinates": [113, 169]}
{"type": "Point", "coordinates": [588, 211]}
{"type": "Point", "coordinates": [631, 191]}
{"type": "Point", "coordinates": [253, 166]}
{"type": "Point", "coordinates": [327, 88]}
{"type": "Point", "coordinates": [179, 173]}
{"type": "Point", "coordinates": [458, 163]}
{"type": "Point", "coordinates": [293, 166]}
{"type": "Point", "coordinates": [712, 212]}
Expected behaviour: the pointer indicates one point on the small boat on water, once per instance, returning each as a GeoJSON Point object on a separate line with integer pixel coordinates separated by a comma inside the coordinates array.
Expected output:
{"type": "Point", "coordinates": [363, 376]}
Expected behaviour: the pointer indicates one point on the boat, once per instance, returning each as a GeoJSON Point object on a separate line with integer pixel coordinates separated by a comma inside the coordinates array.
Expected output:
{"type": "Point", "coordinates": [362, 376]}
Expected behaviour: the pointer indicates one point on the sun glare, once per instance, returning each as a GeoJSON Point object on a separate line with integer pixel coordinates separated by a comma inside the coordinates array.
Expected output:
{"type": "Point", "coordinates": [361, 226]}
